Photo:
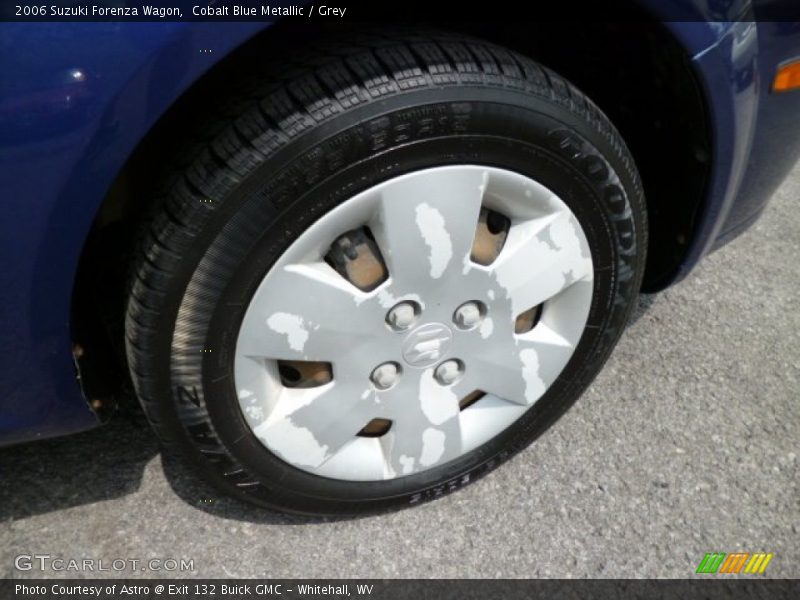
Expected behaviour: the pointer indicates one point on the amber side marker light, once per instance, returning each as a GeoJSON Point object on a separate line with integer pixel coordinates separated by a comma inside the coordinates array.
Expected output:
{"type": "Point", "coordinates": [788, 77]}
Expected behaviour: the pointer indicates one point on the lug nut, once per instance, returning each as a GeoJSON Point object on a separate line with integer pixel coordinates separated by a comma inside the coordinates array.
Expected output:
{"type": "Point", "coordinates": [385, 376]}
{"type": "Point", "coordinates": [402, 316]}
{"type": "Point", "coordinates": [468, 315]}
{"type": "Point", "coordinates": [448, 372]}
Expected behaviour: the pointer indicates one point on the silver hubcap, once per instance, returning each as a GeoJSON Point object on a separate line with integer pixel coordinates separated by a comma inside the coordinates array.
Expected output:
{"type": "Point", "coordinates": [422, 338]}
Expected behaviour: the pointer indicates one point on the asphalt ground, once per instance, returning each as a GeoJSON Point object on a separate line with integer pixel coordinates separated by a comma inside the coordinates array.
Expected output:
{"type": "Point", "coordinates": [686, 443]}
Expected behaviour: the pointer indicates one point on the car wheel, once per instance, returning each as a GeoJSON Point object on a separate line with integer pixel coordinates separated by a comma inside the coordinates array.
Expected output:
{"type": "Point", "coordinates": [384, 275]}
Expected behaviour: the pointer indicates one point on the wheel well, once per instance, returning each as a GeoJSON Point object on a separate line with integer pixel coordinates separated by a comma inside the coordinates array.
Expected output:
{"type": "Point", "coordinates": [634, 70]}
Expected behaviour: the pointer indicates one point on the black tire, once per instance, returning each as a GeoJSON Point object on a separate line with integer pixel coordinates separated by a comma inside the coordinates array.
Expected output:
{"type": "Point", "coordinates": [301, 145]}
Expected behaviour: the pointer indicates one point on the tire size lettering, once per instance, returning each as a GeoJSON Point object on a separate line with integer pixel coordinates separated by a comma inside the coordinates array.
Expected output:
{"type": "Point", "coordinates": [185, 396]}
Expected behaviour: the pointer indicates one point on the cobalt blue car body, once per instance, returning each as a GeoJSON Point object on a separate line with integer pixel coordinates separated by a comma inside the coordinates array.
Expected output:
{"type": "Point", "coordinates": [78, 98]}
{"type": "Point", "coordinates": [82, 96]}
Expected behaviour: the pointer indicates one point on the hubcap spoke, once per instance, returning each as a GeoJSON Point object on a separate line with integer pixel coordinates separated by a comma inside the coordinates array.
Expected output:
{"type": "Point", "coordinates": [426, 223]}
{"type": "Point", "coordinates": [542, 257]}
{"type": "Point", "coordinates": [522, 377]}
{"type": "Point", "coordinates": [302, 312]}
{"type": "Point", "coordinates": [427, 431]}
{"type": "Point", "coordinates": [308, 429]}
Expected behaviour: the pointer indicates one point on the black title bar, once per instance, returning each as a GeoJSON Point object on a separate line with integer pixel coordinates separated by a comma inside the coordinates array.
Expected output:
{"type": "Point", "coordinates": [398, 11]}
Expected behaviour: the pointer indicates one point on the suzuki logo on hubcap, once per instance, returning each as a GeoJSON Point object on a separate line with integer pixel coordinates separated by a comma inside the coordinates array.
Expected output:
{"type": "Point", "coordinates": [427, 344]}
